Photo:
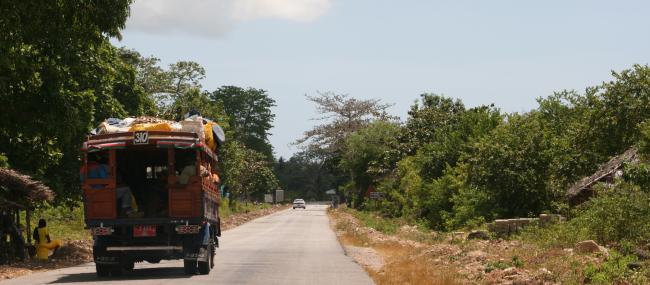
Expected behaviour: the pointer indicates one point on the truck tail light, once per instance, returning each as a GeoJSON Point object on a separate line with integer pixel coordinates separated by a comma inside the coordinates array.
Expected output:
{"type": "Point", "coordinates": [188, 229]}
{"type": "Point", "coordinates": [102, 231]}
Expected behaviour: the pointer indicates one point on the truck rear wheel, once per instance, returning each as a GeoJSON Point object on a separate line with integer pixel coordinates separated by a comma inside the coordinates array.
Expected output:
{"type": "Point", "coordinates": [189, 266]}
{"type": "Point", "coordinates": [128, 266]}
{"type": "Point", "coordinates": [117, 270]}
{"type": "Point", "coordinates": [205, 266]}
{"type": "Point", "coordinates": [102, 270]}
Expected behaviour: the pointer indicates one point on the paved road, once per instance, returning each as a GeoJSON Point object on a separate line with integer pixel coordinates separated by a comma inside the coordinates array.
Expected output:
{"type": "Point", "coordinates": [288, 247]}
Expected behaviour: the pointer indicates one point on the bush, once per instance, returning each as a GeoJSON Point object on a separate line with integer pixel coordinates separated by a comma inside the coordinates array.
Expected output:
{"type": "Point", "coordinates": [613, 270]}
{"type": "Point", "coordinates": [3, 161]}
{"type": "Point", "coordinates": [619, 213]}
{"type": "Point", "coordinates": [638, 174]}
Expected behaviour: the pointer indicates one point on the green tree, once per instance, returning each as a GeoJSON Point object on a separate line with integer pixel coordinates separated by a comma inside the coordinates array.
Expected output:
{"type": "Point", "coordinates": [619, 106]}
{"type": "Point", "coordinates": [149, 76]}
{"type": "Point", "coordinates": [196, 100]}
{"type": "Point", "coordinates": [250, 116]}
{"type": "Point", "coordinates": [366, 148]}
{"type": "Point", "coordinates": [342, 116]}
{"type": "Point", "coordinates": [55, 55]}
{"type": "Point", "coordinates": [303, 176]}
{"type": "Point", "coordinates": [183, 77]}
{"type": "Point", "coordinates": [247, 173]}
{"type": "Point", "coordinates": [512, 166]}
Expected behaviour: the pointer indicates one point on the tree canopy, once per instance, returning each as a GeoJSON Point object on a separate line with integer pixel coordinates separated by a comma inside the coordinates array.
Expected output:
{"type": "Point", "coordinates": [250, 116]}
{"type": "Point", "coordinates": [59, 74]}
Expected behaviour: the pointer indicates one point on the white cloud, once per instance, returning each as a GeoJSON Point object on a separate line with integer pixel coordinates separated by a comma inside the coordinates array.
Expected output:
{"type": "Point", "coordinates": [216, 17]}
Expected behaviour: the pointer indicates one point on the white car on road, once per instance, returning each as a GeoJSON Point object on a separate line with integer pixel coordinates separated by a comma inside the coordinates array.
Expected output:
{"type": "Point", "coordinates": [299, 203]}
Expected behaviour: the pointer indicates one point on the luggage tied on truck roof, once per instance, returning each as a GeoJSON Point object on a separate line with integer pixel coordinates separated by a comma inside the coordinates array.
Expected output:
{"type": "Point", "coordinates": [208, 131]}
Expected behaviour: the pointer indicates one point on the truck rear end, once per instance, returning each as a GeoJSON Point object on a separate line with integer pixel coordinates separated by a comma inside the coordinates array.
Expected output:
{"type": "Point", "coordinates": [151, 196]}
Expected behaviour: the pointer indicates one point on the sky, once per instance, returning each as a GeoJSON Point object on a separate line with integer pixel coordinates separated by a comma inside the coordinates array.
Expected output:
{"type": "Point", "coordinates": [504, 52]}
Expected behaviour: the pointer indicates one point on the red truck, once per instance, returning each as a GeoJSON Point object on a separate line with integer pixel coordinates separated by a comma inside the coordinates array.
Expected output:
{"type": "Point", "coordinates": [151, 196]}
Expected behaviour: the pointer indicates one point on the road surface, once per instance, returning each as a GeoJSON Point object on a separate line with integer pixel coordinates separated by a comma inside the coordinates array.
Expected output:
{"type": "Point", "coordinates": [288, 247]}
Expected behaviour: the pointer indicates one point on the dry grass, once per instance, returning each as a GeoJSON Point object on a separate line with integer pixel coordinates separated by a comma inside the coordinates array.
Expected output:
{"type": "Point", "coordinates": [406, 266]}
{"type": "Point", "coordinates": [403, 264]}
{"type": "Point", "coordinates": [410, 256]}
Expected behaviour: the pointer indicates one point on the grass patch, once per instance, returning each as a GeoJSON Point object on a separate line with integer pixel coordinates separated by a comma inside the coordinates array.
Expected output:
{"type": "Point", "coordinates": [498, 264]}
{"type": "Point", "coordinates": [229, 208]}
{"type": "Point", "coordinates": [63, 222]}
{"type": "Point", "coordinates": [376, 221]}
{"type": "Point", "coordinates": [615, 269]}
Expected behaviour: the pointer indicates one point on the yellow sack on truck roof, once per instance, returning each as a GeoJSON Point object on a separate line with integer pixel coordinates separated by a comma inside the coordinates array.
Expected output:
{"type": "Point", "coordinates": [151, 127]}
{"type": "Point", "coordinates": [209, 137]}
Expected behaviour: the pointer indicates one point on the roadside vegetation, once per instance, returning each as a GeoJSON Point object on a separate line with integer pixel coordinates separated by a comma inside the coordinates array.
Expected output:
{"type": "Point", "coordinates": [415, 255]}
{"type": "Point", "coordinates": [449, 168]}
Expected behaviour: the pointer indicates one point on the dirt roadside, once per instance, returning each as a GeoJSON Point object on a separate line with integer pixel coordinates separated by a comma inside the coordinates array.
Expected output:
{"type": "Point", "coordinates": [414, 257]}
{"type": "Point", "coordinates": [75, 252]}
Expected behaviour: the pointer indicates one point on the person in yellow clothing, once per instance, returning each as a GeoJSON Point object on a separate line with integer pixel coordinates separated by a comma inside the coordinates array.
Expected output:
{"type": "Point", "coordinates": [44, 244]}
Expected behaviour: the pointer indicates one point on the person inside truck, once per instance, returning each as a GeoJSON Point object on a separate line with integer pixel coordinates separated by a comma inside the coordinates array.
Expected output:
{"type": "Point", "coordinates": [155, 204]}
{"type": "Point", "coordinates": [128, 205]}
{"type": "Point", "coordinates": [189, 170]}
{"type": "Point", "coordinates": [44, 244]}
{"type": "Point", "coordinates": [97, 168]}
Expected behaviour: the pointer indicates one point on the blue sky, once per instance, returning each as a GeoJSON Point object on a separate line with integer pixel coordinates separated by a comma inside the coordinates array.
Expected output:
{"type": "Point", "coordinates": [502, 52]}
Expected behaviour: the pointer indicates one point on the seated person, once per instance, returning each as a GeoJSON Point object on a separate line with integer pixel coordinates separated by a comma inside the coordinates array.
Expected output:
{"type": "Point", "coordinates": [190, 170]}
{"type": "Point", "coordinates": [45, 246]}
{"type": "Point", "coordinates": [97, 168]}
{"type": "Point", "coordinates": [128, 205]}
{"type": "Point", "coordinates": [156, 203]}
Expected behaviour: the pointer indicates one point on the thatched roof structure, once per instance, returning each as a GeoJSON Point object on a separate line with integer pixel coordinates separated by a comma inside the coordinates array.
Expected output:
{"type": "Point", "coordinates": [582, 190]}
{"type": "Point", "coordinates": [22, 188]}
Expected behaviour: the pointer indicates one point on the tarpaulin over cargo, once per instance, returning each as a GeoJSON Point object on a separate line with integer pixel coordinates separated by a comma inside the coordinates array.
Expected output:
{"type": "Point", "coordinates": [151, 127]}
{"type": "Point", "coordinates": [209, 132]}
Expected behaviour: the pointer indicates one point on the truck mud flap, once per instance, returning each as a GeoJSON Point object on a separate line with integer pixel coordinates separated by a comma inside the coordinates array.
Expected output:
{"type": "Point", "coordinates": [201, 255]}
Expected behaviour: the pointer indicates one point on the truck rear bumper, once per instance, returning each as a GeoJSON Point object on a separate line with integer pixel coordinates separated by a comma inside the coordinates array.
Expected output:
{"type": "Point", "coordinates": [144, 248]}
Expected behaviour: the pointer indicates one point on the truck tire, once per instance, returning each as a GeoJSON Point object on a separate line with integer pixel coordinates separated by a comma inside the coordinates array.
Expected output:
{"type": "Point", "coordinates": [212, 254]}
{"type": "Point", "coordinates": [102, 270]}
{"type": "Point", "coordinates": [189, 266]}
{"type": "Point", "coordinates": [128, 266]}
{"type": "Point", "coordinates": [117, 270]}
{"type": "Point", "coordinates": [205, 266]}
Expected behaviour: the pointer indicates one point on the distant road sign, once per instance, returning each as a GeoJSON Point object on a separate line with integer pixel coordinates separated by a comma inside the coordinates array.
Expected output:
{"type": "Point", "coordinates": [279, 196]}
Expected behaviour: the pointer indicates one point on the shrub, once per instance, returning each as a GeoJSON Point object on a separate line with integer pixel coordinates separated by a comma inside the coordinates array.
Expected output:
{"type": "Point", "coordinates": [619, 213]}
{"type": "Point", "coordinates": [638, 174]}
{"type": "Point", "coordinates": [3, 161]}
{"type": "Point", "coordinates": [372, 220]}
{"type": "Point", "coordinates": [613, 270]}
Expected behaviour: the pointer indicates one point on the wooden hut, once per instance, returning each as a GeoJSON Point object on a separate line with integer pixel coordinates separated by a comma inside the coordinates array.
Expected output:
{"type": "Point", "coordinates": [19, 192]}
{"type": "Point", "coordinates": [583, 189]}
